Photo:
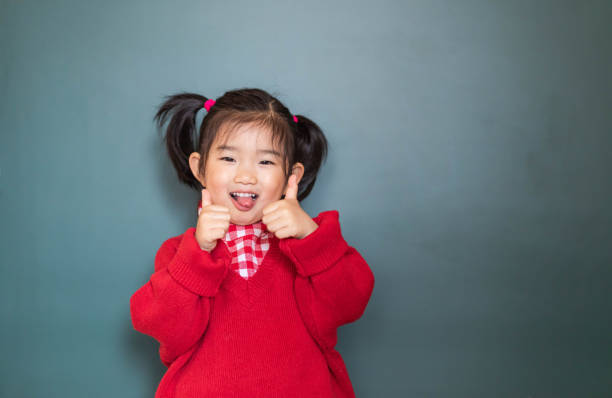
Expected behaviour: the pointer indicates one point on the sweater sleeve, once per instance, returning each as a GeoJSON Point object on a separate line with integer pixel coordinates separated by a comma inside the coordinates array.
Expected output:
{"type": "Point", "coordinates": [333, 284]}
{"type": "Point", "coordinates": [173, 307]}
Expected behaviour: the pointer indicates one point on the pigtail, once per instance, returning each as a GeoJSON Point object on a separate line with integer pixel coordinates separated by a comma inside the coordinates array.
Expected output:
{"type": "Point", "coordinates": [311, 151]}
{"type": "Point", "coordinates": [180, 138]}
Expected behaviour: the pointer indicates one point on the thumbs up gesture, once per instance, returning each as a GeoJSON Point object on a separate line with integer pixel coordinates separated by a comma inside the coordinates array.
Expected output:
{"type": "Point", "coordinates": [286, 218]}
{"type": "Point", "coordinates": [213, 223]}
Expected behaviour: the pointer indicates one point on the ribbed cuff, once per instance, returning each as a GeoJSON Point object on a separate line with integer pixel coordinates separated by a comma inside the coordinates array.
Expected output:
{"type": "Point", "coordinates": [319, 250]}
{"type": "Point", "coordinates": [197, 270]}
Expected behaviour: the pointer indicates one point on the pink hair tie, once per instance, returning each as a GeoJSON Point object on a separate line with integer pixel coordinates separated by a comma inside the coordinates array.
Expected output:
{"type": "Point", "coordinates": [295, 118]}
{"type": "Point", "coordinates": [208, 104]}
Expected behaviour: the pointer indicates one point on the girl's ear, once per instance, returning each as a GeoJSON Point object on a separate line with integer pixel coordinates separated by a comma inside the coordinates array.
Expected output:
{"type": "Point", "coordinates": [298, 170]}
{"type": "Point", "coordinates": [194, 165]}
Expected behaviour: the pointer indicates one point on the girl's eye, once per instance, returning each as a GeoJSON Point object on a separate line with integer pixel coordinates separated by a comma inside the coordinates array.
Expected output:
{"type": "Point", "coordinates": [227, 158]}
{"type": "Point", "coordinates": [266, 162]}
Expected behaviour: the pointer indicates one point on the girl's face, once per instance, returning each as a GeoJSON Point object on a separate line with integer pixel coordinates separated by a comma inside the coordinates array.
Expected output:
{"type": "Point", "coordinates": [246, 165]}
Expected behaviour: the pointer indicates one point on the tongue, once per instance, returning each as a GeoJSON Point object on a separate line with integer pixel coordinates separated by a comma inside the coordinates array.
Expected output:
{"type": "Point", "coordinates": [244, 201]}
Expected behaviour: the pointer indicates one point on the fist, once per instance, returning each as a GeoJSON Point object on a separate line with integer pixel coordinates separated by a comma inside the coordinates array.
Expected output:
{"type": "Point", "coordinates": [285, 218]}
{"type": "Point", "coordinates": [213, 223]}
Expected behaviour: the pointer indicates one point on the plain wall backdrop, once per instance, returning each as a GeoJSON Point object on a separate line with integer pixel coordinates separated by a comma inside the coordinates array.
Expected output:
{"type": "Point", "coordinates": [470, 160]}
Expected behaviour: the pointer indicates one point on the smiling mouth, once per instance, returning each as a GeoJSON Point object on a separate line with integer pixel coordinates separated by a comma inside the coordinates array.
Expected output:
{"type": "Point", "coordinates": [243, 195]}
{"type": "Point", "coordinates": [243, 201]}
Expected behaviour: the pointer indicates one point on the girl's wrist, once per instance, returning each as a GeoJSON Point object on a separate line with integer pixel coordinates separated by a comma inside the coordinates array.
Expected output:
{"type": "Point", "coordinates": [310, 228]}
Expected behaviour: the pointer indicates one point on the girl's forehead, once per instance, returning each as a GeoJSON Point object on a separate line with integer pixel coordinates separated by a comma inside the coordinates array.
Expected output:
{"type": "Point", "coordinates": [245, 136]}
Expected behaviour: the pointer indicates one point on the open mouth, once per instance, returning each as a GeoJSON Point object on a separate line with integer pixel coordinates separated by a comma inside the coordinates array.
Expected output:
{"type": "Point", "coordinates": [244, 200]}
{"type": "Point", "coordinates": [243, 195]}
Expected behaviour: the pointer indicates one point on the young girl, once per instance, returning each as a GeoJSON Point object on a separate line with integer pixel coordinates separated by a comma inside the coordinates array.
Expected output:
{"type": "Point", "coordinates": [247, 303]}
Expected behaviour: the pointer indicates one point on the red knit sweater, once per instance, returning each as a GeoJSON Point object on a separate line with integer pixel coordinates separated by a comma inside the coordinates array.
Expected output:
{"type": "Point", "coordinates": [272, 335]}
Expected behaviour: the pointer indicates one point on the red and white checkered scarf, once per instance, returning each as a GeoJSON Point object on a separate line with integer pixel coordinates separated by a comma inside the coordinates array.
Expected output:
{"type": "Point", "coordinates": [247, 244]}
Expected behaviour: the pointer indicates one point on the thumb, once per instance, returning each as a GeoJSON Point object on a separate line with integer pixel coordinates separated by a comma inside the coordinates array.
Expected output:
{"type": "Point", "coordinates": [206, 200]}
{"type": "Point", "coordinates": [292, 188]}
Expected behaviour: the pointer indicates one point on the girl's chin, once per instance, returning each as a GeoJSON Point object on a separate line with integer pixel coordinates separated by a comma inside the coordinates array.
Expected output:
{"type": "Point", "coordinates": [244, 220]}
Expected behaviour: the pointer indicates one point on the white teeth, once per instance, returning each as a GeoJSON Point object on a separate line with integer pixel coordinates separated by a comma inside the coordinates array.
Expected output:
{"type": "Point", "coordinates": [244, 195]}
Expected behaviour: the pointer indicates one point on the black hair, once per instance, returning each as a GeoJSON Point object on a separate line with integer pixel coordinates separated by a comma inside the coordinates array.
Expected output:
{"type": "Point", "coordinates": [301, 141]}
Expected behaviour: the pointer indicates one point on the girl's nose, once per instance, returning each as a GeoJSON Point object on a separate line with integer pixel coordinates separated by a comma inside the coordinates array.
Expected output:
{"type": "Point", "coordinates": [245, 175]}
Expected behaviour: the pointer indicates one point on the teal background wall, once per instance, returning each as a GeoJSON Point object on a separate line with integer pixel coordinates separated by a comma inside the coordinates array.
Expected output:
{"type": "Point", "coordinates": [471, 160]}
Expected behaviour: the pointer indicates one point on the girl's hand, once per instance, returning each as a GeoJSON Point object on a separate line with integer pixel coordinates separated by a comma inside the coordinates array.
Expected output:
{"type": "Point", "coordinates": [285, 218]}
{"type": "Point", "coordinates": [213, 223]}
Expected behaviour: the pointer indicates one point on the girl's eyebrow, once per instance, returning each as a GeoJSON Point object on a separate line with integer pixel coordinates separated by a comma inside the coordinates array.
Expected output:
{"type": "Point", "coordinates": [272, 152]}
